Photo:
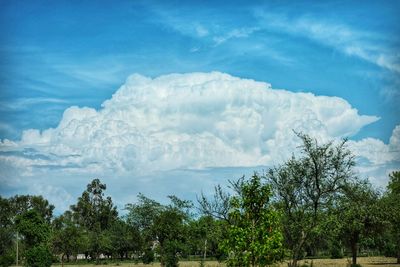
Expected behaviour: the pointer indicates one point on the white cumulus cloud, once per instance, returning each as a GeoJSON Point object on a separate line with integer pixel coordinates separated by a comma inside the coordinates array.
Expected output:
{"type": "Point", "coordinates": [191, 121]}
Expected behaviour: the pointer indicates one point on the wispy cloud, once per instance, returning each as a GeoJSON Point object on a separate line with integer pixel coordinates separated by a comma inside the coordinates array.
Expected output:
{"type": "Point", "coordinates": [235, 33]}
{"type": "Point", "coordinates": [25, 103]}
{"type": "Point", "coordinates": [365, 45]}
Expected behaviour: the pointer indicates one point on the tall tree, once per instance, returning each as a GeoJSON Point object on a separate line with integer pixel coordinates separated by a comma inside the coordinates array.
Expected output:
{"type": "Point", "coordinates": [95, 213]}
{"type": "Point", "coordinates": [254, 238]}
{"type": "Point", "coordinates": [306, 184]}
{"type": "Point", "coordinates": [93, 210]}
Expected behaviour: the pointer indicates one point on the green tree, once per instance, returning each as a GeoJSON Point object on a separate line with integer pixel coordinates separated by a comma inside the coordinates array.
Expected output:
{"type": "Point", "coordinates": [23, 203]}
{"type": "Point", "coordinates": [141, 216]}
{"type": "Point", "coordinates": [93, 210]}
{"type": "Point", "coordinates": [66, 237]}
{"type": "Point", "coordinates": [358, 215]}
{"type": "Point", "coordinates": [204, 236]}
{"type": "Point", "coordinates": [6, 233]}
{"type": "Point", "coordinates": [170, 228]}
{"type": "Point", "coordinates": [392, 207]}
{"type": "Point", "coordinates": [36, 233]}
{"type": "Point", "coordinates": [162, 227]}
{"type": "Point", "coordinates": [306, 185]}
{"type": "Point", "coordinates": [95, 213]}
{"type": "Point", "coordinates": [9, 209]}
{"type": "Point", "coordinates": [254, 238]}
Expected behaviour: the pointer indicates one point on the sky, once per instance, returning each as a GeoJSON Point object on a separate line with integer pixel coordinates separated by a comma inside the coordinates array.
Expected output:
{"type": "Point", "coordinates": [174, 97]}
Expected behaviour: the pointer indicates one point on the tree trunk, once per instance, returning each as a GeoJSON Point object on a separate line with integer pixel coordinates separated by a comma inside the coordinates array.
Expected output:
{"type": "Point", "coordinates": [354, 252]}
{"type": "Point", "coordinates": [293, 263]}
{"type": "Point", "coordinates": [398, 256]}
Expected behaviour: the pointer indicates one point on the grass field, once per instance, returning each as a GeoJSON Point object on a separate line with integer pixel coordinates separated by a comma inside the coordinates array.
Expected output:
{"type": "Point", "coordinates": [364, 261]}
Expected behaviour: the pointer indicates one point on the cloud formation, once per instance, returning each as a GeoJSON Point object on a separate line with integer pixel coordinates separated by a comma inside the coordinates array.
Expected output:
{"type": "Point", "coordinates": [190, 121]}
{"type": "Point", "coordinates": [180, 130]}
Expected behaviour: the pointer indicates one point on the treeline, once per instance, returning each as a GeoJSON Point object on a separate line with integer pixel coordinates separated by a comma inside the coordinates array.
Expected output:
{"type": "Point", "coordinates": [312, 205]}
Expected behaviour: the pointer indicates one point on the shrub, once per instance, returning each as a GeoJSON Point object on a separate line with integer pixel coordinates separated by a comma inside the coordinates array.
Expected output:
{"type": "Point", "coordinates": [39, 256]}
{"type": "Point", "coordinates": [148, 256]}
{"type": "Point", "coordinates": [7, 259]}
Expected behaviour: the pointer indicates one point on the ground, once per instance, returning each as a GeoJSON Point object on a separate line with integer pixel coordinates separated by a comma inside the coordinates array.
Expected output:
{"type": "Point", "coordinates": [364, 261]}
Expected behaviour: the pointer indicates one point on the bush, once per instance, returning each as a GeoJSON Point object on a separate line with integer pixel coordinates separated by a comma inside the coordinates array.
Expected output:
{"type": "Point", "coordinates": [336, 251]}
{"type": "Point", "coordinates": [7, 259]}
{"type": "Point", "coordinates": [39, 256]}
{"type": "Point", "coordinates": [148, 256]}
{"type": "Point", "coordinates": [169, 253]}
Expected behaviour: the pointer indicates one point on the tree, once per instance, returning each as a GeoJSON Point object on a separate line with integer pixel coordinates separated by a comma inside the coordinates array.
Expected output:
{"type": "Point", "coordinates": [392, 207]}
{"type": "Point", "coordinates": [141, 216]}
{"type": "Point", "coordinates": [36, 233]}
{"type": "Point", "coordinates": [217, 207]}
{"type": "Point", "coordinates": [95, 213]}
{"type": "Point", "coordinates": [6, 233]}
{"type": "Point", "coordinates": [358, 214]}
{"type": "Point", "coordinates": [9, 209]}
{"type": "Point", "coordinates": [204, 236]}
{"type": "Point", "coordinates": [66, 236]}
{"type": "Point", "coordinates": [162, 227]}
{"type": "Point", "coordinates": [170, 228]}
{"type": "Point", "coordinates": [23, 203]}
{"type": "Point", "coordinates": [305, 185]}
{"type": "Point", "coordinates": [254, 238]}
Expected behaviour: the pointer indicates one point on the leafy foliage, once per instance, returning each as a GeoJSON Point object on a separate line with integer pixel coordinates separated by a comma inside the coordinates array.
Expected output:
{"type": "Point", "coordinates": [39, 256]}
{"type": "Point", "coordinates": [254, 238]}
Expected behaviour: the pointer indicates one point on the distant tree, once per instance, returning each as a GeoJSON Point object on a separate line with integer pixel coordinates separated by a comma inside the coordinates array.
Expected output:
{"type": "Point", "coordinates": [141, 216]}
{"type": "Point", "coordinates": [170, 227]}
{"type": "Point", "coordinates": [358, 215]}
{"type": "Point", "coordinates": [254, 238]}
{"type": "Point", "coordinates": [305, 185]}
{"type": "Point", "coordinates": [6, 233]}
{"type": "Point", "coordinates": [162, 227]}
{"type": "Point", "coordinates": [23, 203]}
{"type": "Point", "coordinates": [124, 239]}
{"type": "Point", "coordinates": [204, 236]}
{"type": "Point", "coordinates": [392, 207]}
{"type": "Point", "coordinates": [218, 206]}
{"type": "Point", "coordinates": [36, 233]}
{"type": "Point", "coordinates": [66, 237]}
{"type": "Point", "coordinates": [95, 213]}
{"type": "Point", "coordinates": [93, 210]}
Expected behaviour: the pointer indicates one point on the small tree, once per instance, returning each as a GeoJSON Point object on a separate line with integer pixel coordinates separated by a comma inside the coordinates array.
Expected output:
{"type": "Point", "coordinates": [358, 215]}
{"type": "Point", "coordinates": [254, 238]}
{"type": "Point", "coordinates": [306, 185]}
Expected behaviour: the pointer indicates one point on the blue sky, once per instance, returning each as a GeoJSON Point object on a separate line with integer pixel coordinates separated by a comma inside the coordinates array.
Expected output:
{"type": "Point", "coordinates": [58, 54]}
